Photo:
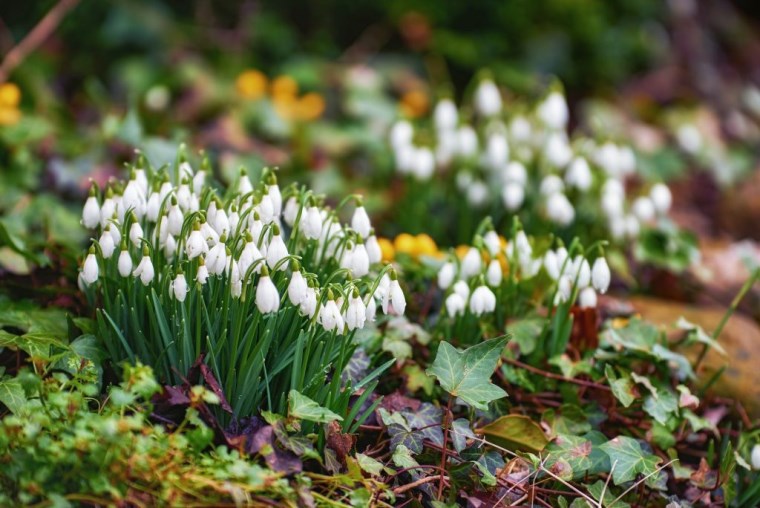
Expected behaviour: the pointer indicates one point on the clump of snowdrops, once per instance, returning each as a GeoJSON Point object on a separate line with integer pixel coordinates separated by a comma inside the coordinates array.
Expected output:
{"type": "Point", "coordinates": [267, 286]}
{"type": "Point", "coordinates": [507, 157]}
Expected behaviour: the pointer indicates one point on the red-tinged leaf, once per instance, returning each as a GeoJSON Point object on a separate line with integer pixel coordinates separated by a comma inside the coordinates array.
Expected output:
{"type": "Point", "coordinates": [213, 385]}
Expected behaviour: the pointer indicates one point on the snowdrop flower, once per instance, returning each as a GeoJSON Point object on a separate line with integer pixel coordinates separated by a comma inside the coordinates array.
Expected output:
{"type": "Point", "coordinates": [553, 111]}
{"type": "Point", "coordinates": [297, 288]}
{"type": "Point", "coordinates": [202, 275]}
{"type": "Point", "coordinates": [562, 256]}
{"type": "Point", "coordinates": [311, 225]}
{"type": "Point", "coordinates": [455, 304]}
{"type": "Point", "coordinates": [329, 315]}
{"type": "Point", "coordinates": [91, 211]}
{"type": "Point", "coordinates": [371, 305]}
{"type": "Point", "coordinates": [276, 250]}
{"type": "Point", "coordinates": [520, 130]}
{"type": "Point", "coordinates": [107, 209]}
{"type": "Point", "coordinates": [256, 228]}
{"type": "Point", "coordinates": [290, 212]}
{"type": "Point", "coordinates": [133, 199]}
{"type": "Point", "coordinates": [185, 169]}
{"type": "Point", "coordinates": [497, 150]}
{"type": "Point", "coordinates": [477, 194]}
{"type": "Point", "coordinates": [524, 250]}
{"type": "Point", "coordinates": [582, 271]}
{"type": "Point", "coordinates": [394, 301]}
{"type": "Point", "coordinates": [170, 247]}
{"type": "Point", "coordinates": [608, 157]}
{"type": "Point", "coordinates": [587, 298]}
{"type": "Point", "coordinates": [359, 265]}
{"type": "Point", "coordinates": [482, 300]}
{"type": "Point", "coordinates": [275, 195]}
{"type": "Point", "coordinates": [661, 198]}
{"type": "Point", "coordinates": [643, 208]}
{"type": "Point", "coordinates": [221, 222]}
{"type": "Point", "coordinates": [216, 259]}
{"type": "Point", "coordinates": [249, 255]}
{"type": "Point", "coordinates": [125, 262]}
{"type": "Point", "coordinates": [178, 287]}
{"type": "Point", "coordinates": [90, 268]}
{"type": "Point", "coordinates": [244, 183]}
{"type": "Point", "coordinates": [552, 265]}
{"type": "Point", "coordinates": [234, 218]}
{"type": "Point", "coordinates": [135, 232]}
{"type": "Point", "coordinates": [107, 245]}
{"type": "Point", "coordinates": [626, 160]}
{"type": "Point", "coordinates": [559, 209]}
{"type": "Point", "coordinates": [689, 138]}
{"type": "Point", "coordinates": [551, 184]}
{"type": "Point", "coordinates": [487, 98]}
{"type": "Point", "coordinates": [462, 289]}
{"type": "Point", "coordinates": [199, 180]}
{"type": "Point", "coordinates": [513, 196]}
{"type": "Point", "coordinates": [445, 115]}
{"type": "Point", "coordinates": [401, 134]}
{"type": "Point", "coordinates": [404, 158]}
{"type": "Point", "coordinates": [356, 314]}
{"type": "Point", "coordinates": [360, 222]}
{"type": "Point", "coordinates": [145, 269]}
{"type": "Point", "coordinates": [493, 273]}
{"type": "Point", "coordinates": [195, 244]}
{"type": "Point", "coordinates": [175, 218]}
{"type": "Point", "coordinates": [492, 242]}
{"type": "Point", "coordinates": [471, 263]}
{"type": "Point", "coordinates": [446, 275]}
{"type": "Point", "coordinates": [755, 457]}
{"type": "Point", "coordinates": [267, 298]}
{"type": "Point", "coordinates": [557, 150]}
{"type": "Point", "coordinates": [308, 305]}
{"type": "Point", "coordinates": [612, 204]}
{"type": "Point", "coordinates": [424, 164]}
{"type": "Point", "coordinates": [564, 289]}
{"type": "Point", "coordinates": [515, 172]}
{"type": "Point", "coordinates": [578, 174]}
{"type": "Point", "coordinates": [601, 275]}
{"type": "Point", "coordinates": [467, 141]}
{"type": "Point", "coordinates": [374, 252]}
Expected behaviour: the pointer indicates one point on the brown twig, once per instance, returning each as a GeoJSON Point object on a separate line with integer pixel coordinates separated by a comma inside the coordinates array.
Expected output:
{"type": "Point", "coordinates": [37, 36]}
{"type": "Point", "coordinates": [559, 377]}
{"type": "Point", "coordinates": [417, 483]}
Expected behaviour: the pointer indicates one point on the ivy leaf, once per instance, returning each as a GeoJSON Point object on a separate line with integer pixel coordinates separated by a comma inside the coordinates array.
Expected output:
{"type": "Point", "coordinates": [526, 332]}
{"type": "Point", "coordinates": [575, 450]}
{"type": "Point", "coordinates": [622, 387]}
{"type": "Point", "coordinates": [12, 394]}
{"type": "Point", "coordinates": [515, 432]}
{"type": "Point", "coordinates": [368, 464]}
{"type": "Point", "coordinates": [303, 408]}
{"type": "Point", "coordinates": [460, 432]}
{"type": "Point", "coordinates": [466, 374]}
{"type": "Point", "coordinates": [607, 499]}
{"type": "Point", "coordinates": [628, 459]}
{"type": "Point", "coordinates": [661, 405]}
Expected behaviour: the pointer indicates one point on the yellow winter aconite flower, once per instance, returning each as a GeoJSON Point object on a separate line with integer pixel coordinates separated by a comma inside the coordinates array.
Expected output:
{"type": "Point", "coordinates": [415, 103]}
{"type": "Point", "coordinates": [311, 106]}
{"type": "Point", "coordinates": [387, 249]}
{"type": "Point", "coordinates": [10, 97]}
{"type": "Point", "coordinates": [251, 84]}
{"type": "Point", "coordinates": [285, 106]}
{"type": "Point", "coordinates": [283, 86]}
{"type": "Point", "coordinates": [416, 246]}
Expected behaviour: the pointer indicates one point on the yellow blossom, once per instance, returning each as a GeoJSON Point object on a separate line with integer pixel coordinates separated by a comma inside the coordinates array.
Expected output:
{"type": "Point", "coordinates": [386, 247]}
{"type": "Point", "coordinates": [10, 97]}
{"type": "Point", "coordinates": [251, 84]}
{"type": "Point", "coordinates": [311, 106]}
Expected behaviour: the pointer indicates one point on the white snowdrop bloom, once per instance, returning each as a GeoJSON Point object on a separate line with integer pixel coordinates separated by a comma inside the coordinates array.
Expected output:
{"type": "Point", "coordinates": [311, 223]}
{"type": "Point", "coordinates": [515, 172]}
{"type": "Point", "coordinates": [492, 242]}
{"type": "Point", "coordinates": [578, 174]}
{"type": "Point", "coordinates": [213, 208]}
{"type": "Point", "coordinates": [236, 281]}
{"type": "Point", "coordinates": [199, 180]}
{"type": "Point", "coordinates": [643, 209]}
{"type": "Point", "coordinates": [249, 256]}
{"type": "Point", "coordinates": [133, 198]}
{"type": "Point", "coordinates": [487, 98]}
{"type": "Point", "coordinates": [234, 219]}
{"type": "Point", "coordinates": [394, 302]}
{"type": "Point", "coordinates": [661, 198]}
{"type": "Point", "coordinates": [524, 250]}
{"type": "Point", "coordinates": [162, 231]}
{"type": "Point", "coordinates": [170, 247]}
{"type": "Point", "coordinates": [209, 235]}
{"type": "Point", "coordinates": [142, 181]}
{"type": "Point", "coordinates": [290, 212]}
{"type": "Point", "coordinates": [755, 457]}
{"type": "Point", "coordinates": [184, 195]}
{"type": "Point", "coordinates": [221, 222]}
{"type": "Point", "coordinates": [530, 267]}
{"type": "Point", "coordinates": [581, 271]}
{"type": "Point", "coordinates": [467, 141]}
{"type": "Point", "coordinates": [551, 184]}
{"type": "Point", "coordinates": [401, 134]}
{"type": "Point", "coordinates": [617, 227]}
{"type": "Point", "coordinates": [497, 150]}
{"type": "Point", "coordinates": [446, 147]}
{"type": "Point", "coordinates": [557, 150]}
{"type": "Point", "coordinates": [587, 298]}
{"type": "Point", "coordinates": [91, 213]}
{"type": "Point", "coordinates": [632, 226]}
{"type": "Point", "coordinates": [107, 245]}
{"type": "Point", "coordinates": [276, 196]}
{"type": "Point", "coordinates": [244, 183]}
{"type": "Point", "coordinates": [471, 263]}
{"type": "Point", "coordinates": [608, 157]}
{"type": "Point", "coordinates": [90, 268]}
{"type": "Point", "coordinates": [559, 209]}
{"type": "Point", "coordinates": [124, 263]}
{"type": "Point", "coordinates": [165, 189]}
{"type": "Point", "coordinates": [216, 259]}
{"type": "Point", "coordinates": [195, 244]}
{"type": "Point", "coordinates": [277, 250]}
{"type": "Point", "coordinates": [374, 252]}
{"type": "Point", "coordinates": [493, 273]}
{"type": "Point", "coordinates": [360, 222]}
{"type": "Point", "coordinates": [445, 115]}
{"type": "Point", "coordinates": [356, 313]}
{"type": "Point", "coordinates": [446, 275]}
{"type": "Point", "coordinates": [564, 288]}
{"type": "Point", "coordinates": [553, 111]}
{"type": "Point", "coordinates": [175, 218]}
{"type": "Point", "coordinates": [330, 317]}
{"type": "Point", "coordinates": [462, 289]}
{"type": "Point", "coordinates": [551, 264]}
{"type": "Point", "coordinates": [482, 300]}
{"type": "Point", "coordinates": [562, 260]}
{"type": "Point", "coordinates": [601, 275]}
{"type": "Point", "coordinates": [477, 194]}
{"type": "Point", "coordinates": [463, 180]}
{"type": "Point", "coordinates": [612, 204]}
{"type": "Point", "coordinates": [107, 210]}
{"type": "Point", "coordinates": [308, 305]}
{"type": "Point", "coordinates": [520, 129]}
{"type": "Point", "coordinates": [202, 275]}
{"type": "Point", "coordinates": [135, 233]}
{"type": "Point", "coordinates": [405, 158]}
{"type": "Point", "coordinates": [371, 306]}
{"type": "Point", "coordinates": [185, 169]}
{"type": "Point", "coordinates": [689, 138]}
{"type": "Point", "coordinates": [256, 227]}
{"type": "Point", "coordinates": [626, 160]}
{"type": "Point", "coordinates": [455, 304]}
{"type": "Point", "coordinates": [267, 298]}
{"type": "Point", "coordinates": [145, 269]}
{"type": "Point", "coordinates": [297, 288]}
{"type": "Point", "coordinates": [178, 287]}
{"type": "Point", "coordinates": [513, 195]}
{"type": "Point", "coordinates": [424, 164]}
{"type": "Point", "coordinates": [614, 187]}
{"type": "Point", "coordinates": [153, 207]}
{"type": "Point", "coordinates": [359, 261]}
{"type": "Point", "coordinates": [115, 233]}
